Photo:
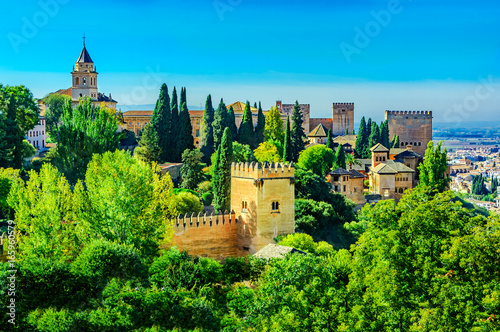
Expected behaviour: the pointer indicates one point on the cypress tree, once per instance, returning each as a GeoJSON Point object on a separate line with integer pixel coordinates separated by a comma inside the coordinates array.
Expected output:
{"type": "Point", "coordinates": [149, 148]}
{"type": "Point", "coordinates": [384, 134]}
{"type": "Point", "coordinates": [160, 122]}
{"type": "Point", "coordinates": [246, 134]}
{"type": "Point", "coordinates": [185, 141]}
{"type": "Point", "coordinates": [353, 132]}
{"type": "Point", "coordinates": [340, 157]}
{"type": "Point", "coordinates": [174, 131]}
{"type": "Point", "coordinates": [329, 140]}
{"type": "Point", "coordinates": [374, 137]}
{"type": "Point", "coordinates": [222, 173]}
{"type": "Point", "coordinates": [259, 129]}
{"type": "Point", "coordinates": [286, 143]}
{"type": "Point", "coordinates": [207, 131]}
{"type": "Point", "coordinates": [11, 146]}
{"type": "Point", "coordinates": [361, 140]}
{"type": "Point", "coordinates": [220, 123]}
{"type": "Point", "coordinates": [232, 123]}
{"type": "Point", "coordinates": [297, 134]}
{"type": "Point", "coordinates": [347, 131]}
{"type": "Point", "coordinates": [183, 97]}
{"type": "Point", "coordinates": [395, 142]}
{"type": "Point", "coordinates": [255, 105]}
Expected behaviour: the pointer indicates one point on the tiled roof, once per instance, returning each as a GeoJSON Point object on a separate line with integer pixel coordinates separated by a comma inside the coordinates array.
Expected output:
{"type": "Point", "coordinates": [339, 171]}
{"type": "Point", "coordinates": [103, 97]}
{"type": "Point", "coordinates": [379, 148]}
{"type": "Point", "coordinates": [138, 113]}
{"type": "Point", "coordinates": [84, 56]}
{"type": "Point", "coordinates": [67, 92]}
{"type": "Point", "coordinates": [391, 167]}
{"type": "Point", "coordinates": [345, 139]}
{"type": "Point", "coordinates": [276, 251]}
{"type": "Point", "coordinates": [319, 131]}
{"type": "Point", "coordinates": [395, 151]}
{"type": "Point", "coordinates": [408, 154]}
{"type": "Point", "coordinates": [240, 107]}
{"type": "Point", "coordinates": [384, 169]}
{"type": "Point", "coordinates": [355, 174]}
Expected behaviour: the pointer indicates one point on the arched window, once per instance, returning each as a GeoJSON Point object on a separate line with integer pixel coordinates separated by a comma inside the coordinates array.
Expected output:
{"type": "Point", "coordinates": [84, 81]}
{"type": "Point", "coordinates": [275, 206]}
{"type": "Point", "coordinates": [402, 143]}
{"type": "Point", "coordinates": [77, 81]}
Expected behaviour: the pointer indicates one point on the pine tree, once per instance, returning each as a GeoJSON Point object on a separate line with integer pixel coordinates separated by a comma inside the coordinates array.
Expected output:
{"type": "Point", "coordinates": [384, 134]}
{"type": "Point", "coordinates": [174, 125]}
{"type": "Point", "coordinates": [149, 147]}
{"type": "Point", "coordinates": [353, 132]}
{"type": "Point", "coordinates": [207, 131]}
{"type": "Point", "coordinates": [374, 137]}
{"type": "Point", "coordinates": [261, 124]}
{"type": "Point", "coordinates": [286, 143]}
{"type": "Point", "coordinates": [232, 123]}
{"type": "Point", "coordinates": [340, 157]}
{"type": "Point", "coordinates": [222, 173]}
{"type": "Point", "coordinates": [246, 134]}
{"type": "Point", "coordinates": [361, 140]}
{"type": "Point", "coordinates": [161, 123]}
{"type": "Point", "coordinates": [297, 134]}
{"type": "Point", "coordinates": [395, 142]}
{"type": "Point", "coordinates": [185, 141]}
{"type": "Point", "coordinates": [220, 123]}
{"type": "Point", "coordinates": [329, 140]}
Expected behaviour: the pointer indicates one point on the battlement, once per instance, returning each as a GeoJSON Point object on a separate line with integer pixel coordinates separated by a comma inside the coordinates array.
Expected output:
{"type": "Point", "coordinates": [258, 170]}
{"type": "Point", "coordinates": [202, 220]}
{"type": "Point", "coordinates": [343, 104]}
{"type": "Point", "coordinates": [424, 114]}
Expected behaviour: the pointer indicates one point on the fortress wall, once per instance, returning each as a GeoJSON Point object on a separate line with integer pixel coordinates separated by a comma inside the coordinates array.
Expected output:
{"type": "Point", "coordinates": [412, 127]}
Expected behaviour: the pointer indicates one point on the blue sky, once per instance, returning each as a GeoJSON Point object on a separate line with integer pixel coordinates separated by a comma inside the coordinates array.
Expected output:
{"type": "Point", "coordinates": [419, 55]}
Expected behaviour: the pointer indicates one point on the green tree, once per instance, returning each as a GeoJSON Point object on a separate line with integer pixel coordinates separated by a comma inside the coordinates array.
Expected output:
{"type": "Point", "coordinates": [317, 158]}
{"type": "Point", "coordinates": [12, 140]}
{"type": "Point", "coordinates": [242, 153]}
{"type": "Point", "coordinates": [161, 123]}
{"type": "Point", "coordinates": [54, 109]}
{"type": "Point", "coordinates": [24, 104]}
{"type": "Point", "coordinates": [149, 148]}
{"type": "Point", "coordinates": [274, 125]}
{"type": "Point", "coordinates": [222, 173]}
{"type": "Point", "coordinates": [232, 123]}
{"type": "Point", "coordinates": [433, 171]}
{"type": "Point", "coordinates": [287, 141]}
{"type": "Point", "coordinates": [297, 134]}
{"type": "Point", "coordinates": [361, 140]}
{"type": "Point", "coordinates": [340, 157]}
{"type": "Point", "coordinates": [85, 130]}
{"type": "Point", "coordinates": [374, 138]}
{"type": "Point", "coordinates": [246, 134]}
{"type": "Point", "coordinates": [126, 201]}
{"type": "Point", "coordinates": [186, 202]}
{"type": "Point", "coordinates": [207, 131]}
{"type": "Point", "coordinates": [221, 122]}
{"type": "Point", "coordinates": [44, 214]}
{"type": "Point", "coordinates": [175, 126]}
{"type": "Point", "coordinates": [269, 151]}
{"type": "Point", "coordinates": [185, 140]}
{"type": "Point", "coordinates": [384, 134]}
{"type": "Point", "coordinates": [261, 124]}
{"type": "Point", "coordinates": [191, 169]}
{"type": "Point", "coordinates": [7, 178]}
{"type": "Point", "coordinates": [395, 142]}
{"type": "Point", "coordinates": [329, 140]}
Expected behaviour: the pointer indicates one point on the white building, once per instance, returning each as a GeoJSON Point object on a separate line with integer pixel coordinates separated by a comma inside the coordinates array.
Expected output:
{"type": "Point", "coordinates": [37, 136]}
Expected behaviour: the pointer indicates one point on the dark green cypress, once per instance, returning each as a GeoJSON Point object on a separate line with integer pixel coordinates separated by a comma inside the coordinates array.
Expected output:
{"type": "Point", "coordinates": [232, 123]}
{"type": "Point", "coordinates": [395, 142]}
{"type": "Point", "coordinates": [286, 143]}
{"type": "Point", "coordinates": [185, 140]}
{"type": "Point", "coordinates": [174, 131]}
{"type": "Point", "coordinates": [183, 97]}
{"type": "Point", "coordinates": [374, 137]}
{"type": "Point", "coordinates": [207, 131]}
{"type": "Point", "coordinates": [11, 152]}
{"type": "Point", "coordinates": [220, 123]}
{"type": "Point", "coordinates": [255, 105]}
{"type": "Point", "coordinates": [353, 132]}
{"type": "Point", "coordinates": [361, 139]}
{"type": "Point", "coordinates": [222, 173]}
{"type": "Point", "coordinates": [329, 140]}
{"type": "Point", "coordinates": [340, 157]}
{"type": "Point", "coordinates": [246, 134]}
{"type": "Point", "coordinates": [297, 134]}
{"type": "Point", "coordinates": [160, 122]}
{"type": "Point", "coordinates": [347, 131]}
{"type": "Point", "coordinates": [261, 124]}
{"type": "Point", "coordinates": [384, 134]}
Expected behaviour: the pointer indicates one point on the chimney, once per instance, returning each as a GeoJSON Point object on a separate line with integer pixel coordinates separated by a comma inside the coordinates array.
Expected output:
{"type": "Point", "coordinates": [408, 147]}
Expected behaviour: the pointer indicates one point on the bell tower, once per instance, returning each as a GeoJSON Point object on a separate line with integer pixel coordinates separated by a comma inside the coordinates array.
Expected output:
{"type": "Point", "coordinates": [84, 76]}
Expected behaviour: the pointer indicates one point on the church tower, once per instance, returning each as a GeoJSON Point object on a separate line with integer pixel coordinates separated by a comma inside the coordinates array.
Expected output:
{"type": "Point", "coordinates": [84, 77]}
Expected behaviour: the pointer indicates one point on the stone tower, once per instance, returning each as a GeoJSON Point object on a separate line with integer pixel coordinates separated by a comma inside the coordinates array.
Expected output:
{"type": "Point", "coordinates": [84, 77]}
{"type": "Point", "coordinates": [263, 199]}
{"type": "Point", "coordinates": [414, 128]}
{"type": "Point", "coordinates": [343, 118]}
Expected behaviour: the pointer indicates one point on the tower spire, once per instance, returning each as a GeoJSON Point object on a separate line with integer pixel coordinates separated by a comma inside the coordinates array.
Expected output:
{"type": "Point", "coordinates": [84, 39]}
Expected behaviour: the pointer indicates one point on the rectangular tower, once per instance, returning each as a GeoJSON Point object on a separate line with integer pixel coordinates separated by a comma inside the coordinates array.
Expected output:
{"type": "Point", "coordinates": [413, 128]}
{"type": "Point", "coordinates": [263, 198]}
{"type": "Point", "coordinates": [342, 118]}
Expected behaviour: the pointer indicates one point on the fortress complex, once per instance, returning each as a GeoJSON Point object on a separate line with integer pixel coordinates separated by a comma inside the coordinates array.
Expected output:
{"type": "Point", "coordinates": [414, 128]}
{"type": "Point", "coordinates": [263, 207]}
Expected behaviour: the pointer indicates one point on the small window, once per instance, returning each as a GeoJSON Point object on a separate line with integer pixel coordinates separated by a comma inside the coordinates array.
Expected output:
{"type": "Point", "coordinates": [355, 189]}
{"type": "Point", "coordinates": [419, 143]}
{"type": "Point", "coordinates": [344, 187]}
{"type": "Point", "coordinates": [335, 178]}
{"type": "Point", "coordinates": [197, 133]}
{"type": "Point", "coordinates": [275, 206]}
{"type": "Point", "coordinates": [84, 81]}
{"type": "Point", "coordinates": [77, 81]}
{"type": "Point", "coordinates": [244, 206]}
{"type": "Point", "coordinates": [402, 143]}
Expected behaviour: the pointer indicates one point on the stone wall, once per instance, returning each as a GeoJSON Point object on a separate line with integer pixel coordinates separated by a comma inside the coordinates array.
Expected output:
{"type": "Point", "coordinates": [342, 118]}
{"type": "Point", "coordinates": [212, 236]}
{"type": "Point", "coordinates": [413, 128]}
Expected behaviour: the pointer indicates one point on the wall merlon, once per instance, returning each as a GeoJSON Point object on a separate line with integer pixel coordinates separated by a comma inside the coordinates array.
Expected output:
{"type": "Point", "coordinates": [258, 170]}
{"type": "Point", "coordinates": [181, 223]}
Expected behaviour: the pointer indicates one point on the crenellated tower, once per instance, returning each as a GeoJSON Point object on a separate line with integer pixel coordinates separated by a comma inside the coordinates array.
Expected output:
{"type": "Point", "coordinates": [343, 118]}
{"type": "Point", "coordinates": [414, 128]}
{"type": "Point", "coordinates": [263, 198]}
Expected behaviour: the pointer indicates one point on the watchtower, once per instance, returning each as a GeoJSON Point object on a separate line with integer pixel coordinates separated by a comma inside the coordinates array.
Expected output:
{"type": "Point", "coordinates": [84, 76]}
{"type": "Point", "coordinates": [342, 118]}
{"type": "Point", "coordinates": [263, 199]}
{"type": "Point", "coordinates": [414, 128]}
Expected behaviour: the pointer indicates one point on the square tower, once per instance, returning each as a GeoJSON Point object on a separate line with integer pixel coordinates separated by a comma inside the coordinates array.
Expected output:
{"type": "Point", "coordinates": [414, 128]}
{"type": "Point", "coordinates": [342, 118]}
{"type": "Point", "coordinates": [263, 198]}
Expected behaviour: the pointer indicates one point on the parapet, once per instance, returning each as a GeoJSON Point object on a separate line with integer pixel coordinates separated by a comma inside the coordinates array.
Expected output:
{"type": "Point", "coordinates": [267, 170]}
{"type": "Point", "coordinates": [343, 104]}
{"type": "Point", "coordinates": [422, 114]}
{"type": "Point", "coordinates": [183, 222]}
